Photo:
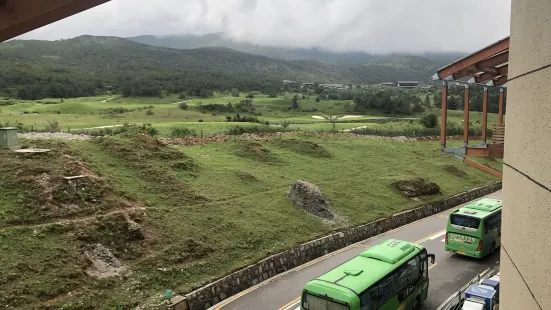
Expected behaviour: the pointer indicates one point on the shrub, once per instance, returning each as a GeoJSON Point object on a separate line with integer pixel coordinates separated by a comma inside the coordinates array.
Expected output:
{"type": "Point", "coordinates": [183, 106]}
{"type": "Point", "coordinates": [149, 112]}
{"type": "Point", "coordinates": [429, 120]}
{"type": "Point", "coordinates": [53, 126]}
{"type": "Point", "coordinates": [182, 132]}
{"type": "Point", "coordinates": [182, 96]}
{"type": "Point", "coordinates": [250, 95]}
{"type": "Point", "coordinates": [239, 130]}
{"type": "Point", "coordinates": [235, 92]}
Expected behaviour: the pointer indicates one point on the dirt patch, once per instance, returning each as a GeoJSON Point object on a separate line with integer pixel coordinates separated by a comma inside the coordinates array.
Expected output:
{"type": "Point", "coordinates": [416, 187]}
{"type": "Point", "coordinates": [53, 135]}
{"type": "Point", "coordinates": [303, 147]}
{"type": "Point", "coordinates": [123, 233]}
{"type": "Point", "coordinates": [188, 166]}
{"type": "Point", "coordinates": [247, 177]}
{"type": "Point", "coordinates": [309, 197]}
{"type": "Point", "coordinates": [103, 263]}
{"type": "Point", "coordinates": [254, 151]}
{"type": "Point", "coordinates": [454, 170]}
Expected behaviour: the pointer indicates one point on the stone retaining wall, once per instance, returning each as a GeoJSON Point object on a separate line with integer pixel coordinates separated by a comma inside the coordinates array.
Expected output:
{"type": "Point", "coordinates": [241, 280]}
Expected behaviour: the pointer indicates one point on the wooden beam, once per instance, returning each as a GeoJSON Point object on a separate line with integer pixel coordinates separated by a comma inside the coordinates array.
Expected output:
{"type": "Point", "coordinates": [501, 99]}
{"type": "Point", "coordinates": [485, 115]}
{"type": "Point", "coordinates": [20, 16]}
{"type": "Point", "coordinates": [466, 116]}
{"type": "Point", "coordinates": [444, 117]}
{"type": "Point", "coordinates": [474, 58]}
{"type": "Point", "coordinates": [483, 168]}
{"type": "Point", "coordinates": [497, 72]}
{"type": "Point", "coordinates": [493, 61]}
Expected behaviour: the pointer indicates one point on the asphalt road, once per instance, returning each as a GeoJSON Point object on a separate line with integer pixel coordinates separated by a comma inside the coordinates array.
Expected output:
{"type": "Point", "coordinates": [448, 274]}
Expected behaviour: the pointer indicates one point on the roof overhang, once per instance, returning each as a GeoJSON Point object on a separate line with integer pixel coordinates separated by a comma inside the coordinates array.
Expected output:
{"type": "Point", "coordinates": [487, 66]}
{"type": "Point", "coordinates": [20, 16]}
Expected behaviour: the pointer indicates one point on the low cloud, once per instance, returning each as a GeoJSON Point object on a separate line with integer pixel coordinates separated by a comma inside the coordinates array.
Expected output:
{"type": "Point", "coordinates": [360, 25]}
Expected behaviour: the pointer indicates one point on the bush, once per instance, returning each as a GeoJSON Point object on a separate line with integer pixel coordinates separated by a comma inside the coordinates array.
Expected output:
{"type": "Point", "coordinates": [149, 112]}
{"type": "Point", "coordinates": [214, 107]}
{"type": "Point", "coordinates": [429, 120]}
{"type": "Point", "coordinates": [183, 106]}
{"type": "Point", "coordinates": [250, 95]}
{"type": "Point", "coordinates": [239, 130]}
{"type": "Point", "coordinates": [182, 96]}
{"type": "Point", "coordinates": [235, 92]}
{"type": "Point", "coordinates": [53, 126]}
{"type": "Point", "coordinates": [182, 132]}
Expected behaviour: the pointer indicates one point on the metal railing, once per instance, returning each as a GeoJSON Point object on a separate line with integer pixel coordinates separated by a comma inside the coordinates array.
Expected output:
{"type": "Point", "coordinates": [455, 301]}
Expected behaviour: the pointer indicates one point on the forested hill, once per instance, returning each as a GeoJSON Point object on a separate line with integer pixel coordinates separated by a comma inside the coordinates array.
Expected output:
{"type": "Point", "coordinates": [86, 65]}
{"type": "Point", "coordinates": [190, 41]}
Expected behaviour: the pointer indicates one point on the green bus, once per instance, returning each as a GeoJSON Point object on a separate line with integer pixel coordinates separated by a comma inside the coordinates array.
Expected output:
{"type": "Point", "coordinates": [389, 276]}
{"type": "Point", "coordinates": [475, 230]}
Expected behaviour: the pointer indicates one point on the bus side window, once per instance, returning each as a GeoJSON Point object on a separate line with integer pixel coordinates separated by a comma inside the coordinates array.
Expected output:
{"type": "Point", "coordinates": [368, 300]}
{"type": "Point", "coordinates": [413, 269]}
{"type": "Point", "coordinates": [386, 289]}
{"type": "Point", "coordinates": [492, 222]}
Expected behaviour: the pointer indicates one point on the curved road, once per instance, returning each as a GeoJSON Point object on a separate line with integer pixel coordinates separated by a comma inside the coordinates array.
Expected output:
{"type": "Point", "coordinates": [448, 274]}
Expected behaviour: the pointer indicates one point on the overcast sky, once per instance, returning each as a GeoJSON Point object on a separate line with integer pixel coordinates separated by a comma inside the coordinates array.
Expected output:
{"type": "Point", "coordinates": [379, 26]}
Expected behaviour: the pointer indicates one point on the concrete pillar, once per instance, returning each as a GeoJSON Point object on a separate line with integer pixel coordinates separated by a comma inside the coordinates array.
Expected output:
{"type": "Point", "coordinates": [525, 251]}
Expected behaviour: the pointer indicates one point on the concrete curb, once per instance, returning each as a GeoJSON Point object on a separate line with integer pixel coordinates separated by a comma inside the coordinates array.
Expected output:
{"type": "Point", "coordinates": [215, 292]}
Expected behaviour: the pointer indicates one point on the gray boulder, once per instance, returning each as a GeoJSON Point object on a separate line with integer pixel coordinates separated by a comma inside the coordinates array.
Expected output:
{"type": "Point", "coordinates": [308, 196]}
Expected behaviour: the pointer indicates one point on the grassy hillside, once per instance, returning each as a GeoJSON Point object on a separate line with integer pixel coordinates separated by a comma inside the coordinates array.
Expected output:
{"type": "Point", "coordinates": [191, 229]}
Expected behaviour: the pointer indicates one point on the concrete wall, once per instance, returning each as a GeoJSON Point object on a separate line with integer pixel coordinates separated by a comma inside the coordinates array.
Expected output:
{"type": "Point", "coordinates": [241, 280]}
{"type": "Point", "coordinates": [526, 250]}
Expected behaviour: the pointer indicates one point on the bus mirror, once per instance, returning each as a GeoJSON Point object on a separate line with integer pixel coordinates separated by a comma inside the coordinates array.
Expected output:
{"type": "Point", "coordinates": [432, 257]}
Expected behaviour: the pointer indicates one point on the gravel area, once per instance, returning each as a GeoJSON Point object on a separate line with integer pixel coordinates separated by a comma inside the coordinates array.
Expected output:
{"type": "Point", "coordinates": [53, 135]}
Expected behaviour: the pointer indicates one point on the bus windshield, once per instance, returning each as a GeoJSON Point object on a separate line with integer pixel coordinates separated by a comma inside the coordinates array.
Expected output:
{"type": "Point", "coordinates": [464, 221]}
{"type": "Point", "coordinates": [310, 301]}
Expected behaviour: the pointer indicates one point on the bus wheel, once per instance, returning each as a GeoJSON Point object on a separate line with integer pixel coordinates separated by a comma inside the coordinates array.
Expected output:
{"type": "Point", "coordinates": [417, 303]}
{"type": "Point", "coordinates": [492, 250]}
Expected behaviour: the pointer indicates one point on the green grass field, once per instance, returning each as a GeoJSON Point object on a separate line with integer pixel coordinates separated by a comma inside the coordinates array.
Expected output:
{"type": "Point", "coordinates": [164, 114]}
{"type": "Point", "coordinates": [209, 209]}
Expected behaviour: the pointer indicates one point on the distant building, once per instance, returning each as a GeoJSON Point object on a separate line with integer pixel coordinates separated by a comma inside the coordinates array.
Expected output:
{"type": "Point", "coordinates": [289, 82]}
{"type": "Point", "coordinates": [388, 84]}
{"type": "Point", "coordinates": [407, 84]}
{"type": "Point", "coordinates": [307, 85]}
{"type": "Point", "coordinates": [332, 86]}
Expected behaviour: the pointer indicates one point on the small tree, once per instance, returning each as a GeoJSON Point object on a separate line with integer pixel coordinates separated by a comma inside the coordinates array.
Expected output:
{"type": "Point", "coordinates": [427, 102]}
{"type": "Point", "coordinates": [429, 120]}
{"type": "Point", "coordinates": [318, 99]}
{"type": "Point", "coordinates": [183, 106]}
{"type": "Point", "coordinates": [332, 119]}
{"type": "Point", "coordinates": [235, 92]}
{"type": "Point", "coordinates": [182, 95]}
{"type": "Point", "coordinates": [452, 103]}
{"type": "Point", "coordinates": [250, 95]}
{"type": "Point", "coordinates": [294, 102]}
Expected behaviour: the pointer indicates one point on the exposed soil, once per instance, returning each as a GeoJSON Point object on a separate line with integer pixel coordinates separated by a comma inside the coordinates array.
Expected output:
{"type": "Point", "coordinates": [103, 263]}
{"type": "Point", "coordinates": [416, 187]}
